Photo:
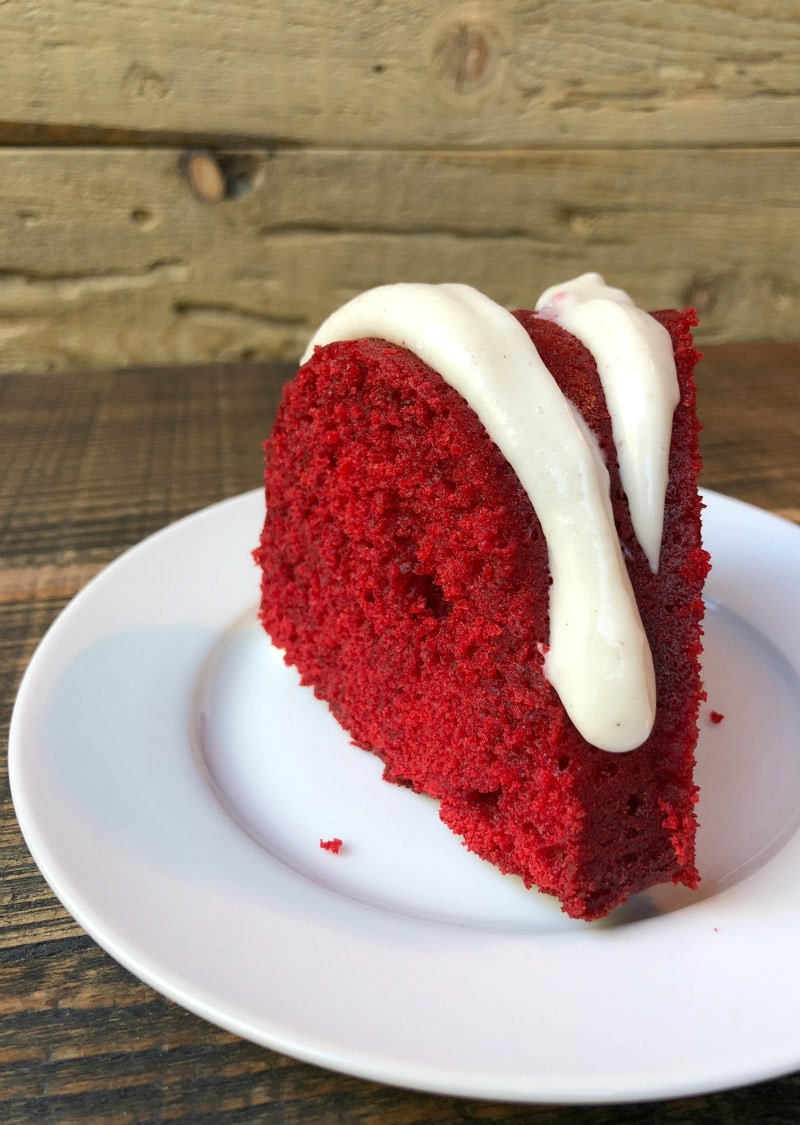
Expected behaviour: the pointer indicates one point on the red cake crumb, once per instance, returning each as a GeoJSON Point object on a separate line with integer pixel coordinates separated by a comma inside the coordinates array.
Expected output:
{"type": "Point", "coordinates": [334, 845]}
{"type": "Point", "coordinates": [405, 574]}
{"type": "Point", "coordinates": [716, 717]}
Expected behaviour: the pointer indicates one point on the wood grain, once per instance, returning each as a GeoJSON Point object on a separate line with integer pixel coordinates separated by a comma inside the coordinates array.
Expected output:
{"type": "Point", "coordinates": [108, 258]}
{"type": "Point", "coordinates": [91, 463]}
{"type": "Point", "coordinates": [503, 144]}
{"type": "Point", "coordinates": [410, 74]}
{"type": "Point", "coordinates": [749, 401]}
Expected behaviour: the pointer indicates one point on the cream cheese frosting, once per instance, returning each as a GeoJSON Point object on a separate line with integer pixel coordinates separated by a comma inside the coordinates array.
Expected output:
{"type": "Point", "coordinates": [597, 657]}
{"type": "Point", "coordinates": [636, 365]}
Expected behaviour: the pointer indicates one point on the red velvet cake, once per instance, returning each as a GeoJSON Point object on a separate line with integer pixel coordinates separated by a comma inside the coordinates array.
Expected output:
{"type": "Point", "coordinates": [405, 573]}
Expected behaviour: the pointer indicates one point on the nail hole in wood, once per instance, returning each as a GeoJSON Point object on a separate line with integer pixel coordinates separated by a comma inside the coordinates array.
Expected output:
{"type": "Point", "coordinates": [142, 218]}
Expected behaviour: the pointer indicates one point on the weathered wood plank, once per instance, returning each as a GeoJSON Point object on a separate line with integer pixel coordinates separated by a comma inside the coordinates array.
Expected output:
{"type": "Point", "coordinates": [108, 259]}
{"type": "Point", "coordinates": [410, 73]}
{"type": "Point", "coordinates": [44, 583]}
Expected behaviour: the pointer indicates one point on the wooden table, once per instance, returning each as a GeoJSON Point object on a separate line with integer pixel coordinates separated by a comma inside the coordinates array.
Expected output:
{"type": "Point", "coordinates": [91, 463]}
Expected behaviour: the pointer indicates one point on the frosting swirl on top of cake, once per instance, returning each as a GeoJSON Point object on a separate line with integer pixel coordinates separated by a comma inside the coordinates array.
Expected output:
{"type": "Point", "coordinates": [598, 658]}
{"type": "Point", "coordinates": [633, 353]}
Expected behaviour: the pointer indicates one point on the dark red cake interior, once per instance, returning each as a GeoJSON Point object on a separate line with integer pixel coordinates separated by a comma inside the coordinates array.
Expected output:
{"type": "Point", "coordinates": [405, 574]}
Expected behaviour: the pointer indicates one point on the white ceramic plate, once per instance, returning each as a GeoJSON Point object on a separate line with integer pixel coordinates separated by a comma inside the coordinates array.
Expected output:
{"type": "Point", "coordinates": [173, 783]}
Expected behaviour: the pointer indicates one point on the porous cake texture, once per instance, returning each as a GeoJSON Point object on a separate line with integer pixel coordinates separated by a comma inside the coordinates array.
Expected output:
{"type": "Point", "coordinates": [405, 574]}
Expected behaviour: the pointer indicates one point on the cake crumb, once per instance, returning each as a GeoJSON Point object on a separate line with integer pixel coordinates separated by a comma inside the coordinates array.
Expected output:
{"type": "Point", "coordinates": [716, 717]}
{"type": "Point", "coordinates": [333, 845]}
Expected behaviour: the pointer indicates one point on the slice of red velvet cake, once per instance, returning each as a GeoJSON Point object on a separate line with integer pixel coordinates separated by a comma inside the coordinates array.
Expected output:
{"type": "Point", "coordinates": [406, 574]}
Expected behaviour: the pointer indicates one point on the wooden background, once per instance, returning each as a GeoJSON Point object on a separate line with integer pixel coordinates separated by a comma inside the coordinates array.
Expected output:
{"type": "Point", "coordinates": [506, 144]}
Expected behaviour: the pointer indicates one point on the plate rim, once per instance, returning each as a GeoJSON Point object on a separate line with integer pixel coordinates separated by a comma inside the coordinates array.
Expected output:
{"type": "Point", "coordinates": [549, 1089]}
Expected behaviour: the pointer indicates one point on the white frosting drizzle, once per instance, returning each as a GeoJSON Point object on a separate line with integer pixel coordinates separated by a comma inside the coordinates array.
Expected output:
{"type": "Point", "coordinates": [598, 659]}
{"type": "Point", "coordinates": [636, 365]}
